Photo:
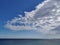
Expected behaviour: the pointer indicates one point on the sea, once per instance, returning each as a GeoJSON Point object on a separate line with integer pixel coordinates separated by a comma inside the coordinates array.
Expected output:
{"type": "Point", "coordinates": [29, 41]}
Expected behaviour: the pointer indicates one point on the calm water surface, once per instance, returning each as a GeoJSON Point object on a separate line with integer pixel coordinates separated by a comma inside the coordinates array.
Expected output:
{"type": "Point", "coordinates": [29, 42]}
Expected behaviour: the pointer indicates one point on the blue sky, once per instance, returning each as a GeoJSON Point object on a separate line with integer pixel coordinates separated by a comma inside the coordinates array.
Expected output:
{"type": "Point", "coordinates": [29, 19]}
{"type": "Point", "coordinates": [12, 8]}
{"type": "Point", "coordinates": [15, 7]}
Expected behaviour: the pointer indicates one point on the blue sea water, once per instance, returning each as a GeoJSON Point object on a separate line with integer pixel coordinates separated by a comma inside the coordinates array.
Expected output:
{"type": "Point", "coordinates": [29, 42]}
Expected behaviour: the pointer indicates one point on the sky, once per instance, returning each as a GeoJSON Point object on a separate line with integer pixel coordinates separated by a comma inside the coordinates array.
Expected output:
{"type": "Point", "coordinates": [30, 19]}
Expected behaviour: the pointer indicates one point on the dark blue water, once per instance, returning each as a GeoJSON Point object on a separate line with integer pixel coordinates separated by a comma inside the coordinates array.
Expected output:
{"type": "Point", "coordinates": [29, 42]}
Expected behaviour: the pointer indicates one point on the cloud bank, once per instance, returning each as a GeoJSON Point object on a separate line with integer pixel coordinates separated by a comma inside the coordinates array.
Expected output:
{"type": "Point", "coordinates": [45, 18]}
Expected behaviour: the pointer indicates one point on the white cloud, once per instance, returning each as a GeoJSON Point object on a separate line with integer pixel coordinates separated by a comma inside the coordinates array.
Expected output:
{"type": "Point", "coordinates": [44, 18]}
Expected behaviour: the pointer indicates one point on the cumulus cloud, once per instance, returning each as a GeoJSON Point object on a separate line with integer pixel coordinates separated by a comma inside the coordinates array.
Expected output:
{"type": "Point", "coordinates": [45, 18]}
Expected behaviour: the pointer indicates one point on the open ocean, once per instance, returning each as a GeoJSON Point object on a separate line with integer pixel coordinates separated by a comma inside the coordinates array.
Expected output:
{"type": "Point", "coordinates": [29, 41]}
